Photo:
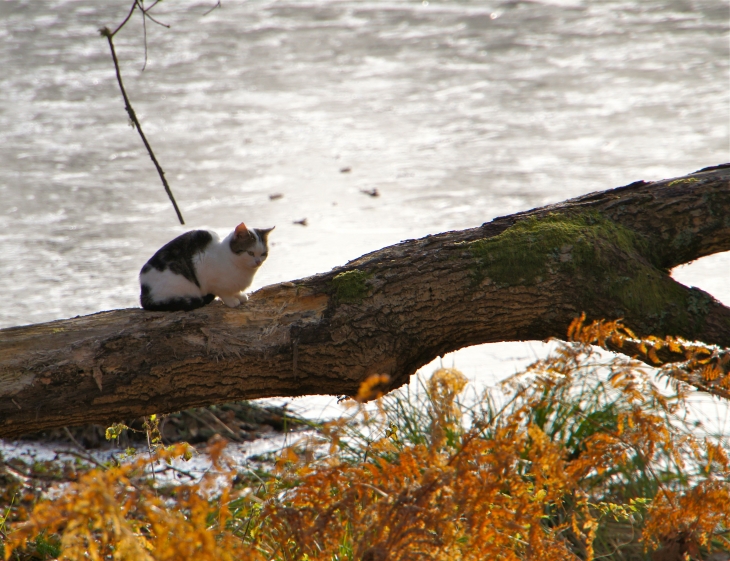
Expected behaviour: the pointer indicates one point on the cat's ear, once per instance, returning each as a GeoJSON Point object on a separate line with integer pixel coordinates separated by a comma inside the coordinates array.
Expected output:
{"type": "Point", "coordinates": [264, 233]}
{"type": "Point", "coordinates": [241, 231]}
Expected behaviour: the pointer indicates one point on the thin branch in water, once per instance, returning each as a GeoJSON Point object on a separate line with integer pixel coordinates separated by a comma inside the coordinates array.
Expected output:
{"type": "Point", "coordinates": [145, 16]}
{"type": "Point", "coordinates": [217, 5]}
{"type": "Point", "coordinates": [140, 3]}
{"type": "Point", "coordinates": [153, 20]}
{"type": "Point", "coordinates": [125, 20]}
{"type": "Point", "coordinates": [133, 116]}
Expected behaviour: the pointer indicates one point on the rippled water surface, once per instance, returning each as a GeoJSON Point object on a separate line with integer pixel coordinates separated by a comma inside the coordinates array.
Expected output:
{"type": "Point", "coordinates": [455, 111]}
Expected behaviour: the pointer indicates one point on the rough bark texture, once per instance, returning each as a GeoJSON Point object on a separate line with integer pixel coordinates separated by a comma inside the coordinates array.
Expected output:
{"type": "Point", "coordinates": [518, 277]}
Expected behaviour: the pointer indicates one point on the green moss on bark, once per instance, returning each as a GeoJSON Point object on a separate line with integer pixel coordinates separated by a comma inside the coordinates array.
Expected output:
{"type": "Point", "coordinates": [525, 252]}
{"type": "Point", "coordinates": [608, 260]}
{"type": "Point", "coordinates": [351, 286]}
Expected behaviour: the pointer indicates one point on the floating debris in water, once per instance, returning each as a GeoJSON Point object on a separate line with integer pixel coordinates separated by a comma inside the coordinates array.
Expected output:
{"type": "Point", "coordinates": [371, 192]}
{"type": "Point", "coordinates": [302, 222]}
{"type": "Point", "coordinates": [345, 170]}
{"type": "Point", "coordinates": [276, 196]}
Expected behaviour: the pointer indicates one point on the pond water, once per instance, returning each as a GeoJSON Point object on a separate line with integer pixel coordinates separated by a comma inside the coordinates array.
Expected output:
{"type": "Point", "coordinates": [455, 111]}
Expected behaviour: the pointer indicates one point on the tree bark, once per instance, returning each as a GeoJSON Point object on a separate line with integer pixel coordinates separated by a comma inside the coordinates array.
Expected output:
{"type": "Point", "coordinates": [518, 277]}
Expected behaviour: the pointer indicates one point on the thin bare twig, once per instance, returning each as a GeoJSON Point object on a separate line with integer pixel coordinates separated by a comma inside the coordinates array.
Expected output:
{"type": "Point", "coordinates": [168, 467]}
{"type": "Point", "coordinates": [146, 11]}
{"type": "Point", "coordinates": [86, 456]}
{"type": "Point", "coordinates": [200, 419]}
{"type": "Point", "coordinates": [133, 116]}
{"type": "Point", "coordinates": [125, 20]}
{"type": "Point", "coordinates": [217, 5]}
{"type": "Point", "coordinates": [73, 439]}
{"type": "Point", "coordinates": [140, 3]}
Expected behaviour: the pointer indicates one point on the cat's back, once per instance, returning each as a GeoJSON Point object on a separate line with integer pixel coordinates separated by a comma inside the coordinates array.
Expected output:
{"type": "Point", "coordinates": [170, 279]}
{"type": "Point", "coordinates": [179, 254]}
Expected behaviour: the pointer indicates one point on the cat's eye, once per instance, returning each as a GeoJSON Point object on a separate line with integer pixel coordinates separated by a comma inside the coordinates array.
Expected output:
{"type": "Point", "coordinates": [250, 253]}
{"type": "Point", "coordinates": [264, 254]}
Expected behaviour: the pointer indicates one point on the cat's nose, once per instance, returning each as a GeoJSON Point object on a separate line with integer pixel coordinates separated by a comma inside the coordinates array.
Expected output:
{"type": "Point", "coordinates": [258, 262]}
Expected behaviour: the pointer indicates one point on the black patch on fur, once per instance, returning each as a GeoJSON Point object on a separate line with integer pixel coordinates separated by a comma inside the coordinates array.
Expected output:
{"type": "Point", "coordinates": [241, 242]}
{"type": "Point", "coordinates": [263, 234]}
{"type": "Point", "coordinates": [178, 255]}
{"type": "Point", "coordinates": [173, 304]}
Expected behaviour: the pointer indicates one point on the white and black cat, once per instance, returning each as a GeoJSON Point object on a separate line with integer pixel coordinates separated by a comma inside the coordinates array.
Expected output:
{"type": "Point", "coordinates": [191, 270]}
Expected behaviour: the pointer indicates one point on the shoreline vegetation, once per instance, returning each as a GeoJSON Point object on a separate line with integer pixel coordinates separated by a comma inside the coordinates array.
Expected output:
{"type": "Point", "coordinates": [580, 456]}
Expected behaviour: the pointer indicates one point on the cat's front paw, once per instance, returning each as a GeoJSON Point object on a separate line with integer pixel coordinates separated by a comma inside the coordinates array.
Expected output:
{"type": "Point", "coordinates": [243, 297]}
{"type": "Point", "coordinates": [231, 301]}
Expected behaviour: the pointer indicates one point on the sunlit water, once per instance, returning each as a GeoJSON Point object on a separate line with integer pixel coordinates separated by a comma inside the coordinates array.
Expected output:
{"type": "Point", "coordinates": [455, 111]}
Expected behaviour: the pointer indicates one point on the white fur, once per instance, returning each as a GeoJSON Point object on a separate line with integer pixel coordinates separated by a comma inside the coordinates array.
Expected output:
{"type": "Point", "coordinates": [219, 271]}
{"type": "Point", "coordinates": [165, 285]}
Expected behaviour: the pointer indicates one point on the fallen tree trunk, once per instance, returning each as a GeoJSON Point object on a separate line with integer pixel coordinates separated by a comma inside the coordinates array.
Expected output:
{"type": "Point", "coordinates": [524, 276]}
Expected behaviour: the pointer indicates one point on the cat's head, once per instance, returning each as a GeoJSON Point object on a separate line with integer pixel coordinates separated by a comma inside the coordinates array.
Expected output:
{"type": "Point", "coordinates": [250, 245]}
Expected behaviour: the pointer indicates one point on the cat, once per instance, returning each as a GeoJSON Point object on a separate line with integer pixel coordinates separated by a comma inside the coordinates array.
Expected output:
{"type": "Point", "coordinates": [191, 270]}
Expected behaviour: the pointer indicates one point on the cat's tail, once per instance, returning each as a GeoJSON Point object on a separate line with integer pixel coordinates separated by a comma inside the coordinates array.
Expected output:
{"type": "Point", "coordinates": [185, 304]}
